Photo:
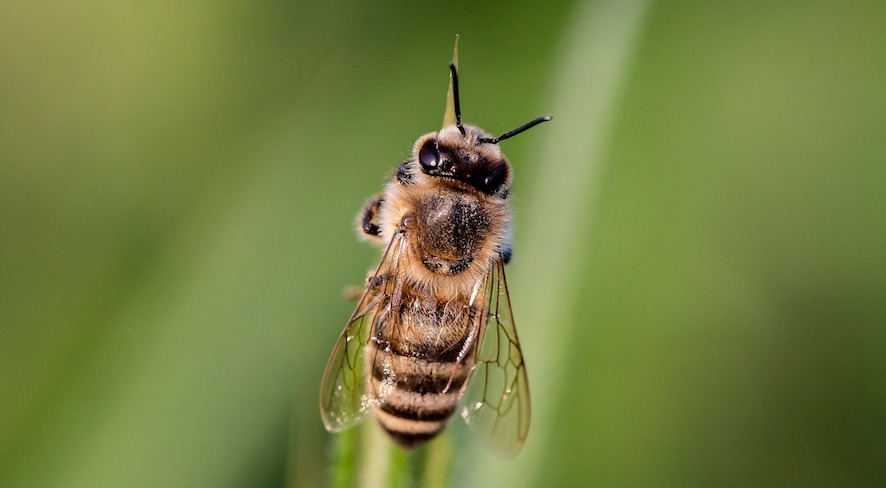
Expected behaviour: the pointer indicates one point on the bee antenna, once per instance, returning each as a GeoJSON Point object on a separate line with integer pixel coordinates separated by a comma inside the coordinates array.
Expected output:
{"type": "Point", "coordinates": [454, 72]}
{"type": "Point", "coordinates": [507, 135]}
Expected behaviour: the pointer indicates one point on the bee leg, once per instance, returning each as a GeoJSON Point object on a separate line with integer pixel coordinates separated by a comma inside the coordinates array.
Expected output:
{"type": "Point", "coordinates": [366, 219]}
{"type": "Point", "coordinates": [506, 254]}
{"type": "Point", "coordinates": [404, 177]}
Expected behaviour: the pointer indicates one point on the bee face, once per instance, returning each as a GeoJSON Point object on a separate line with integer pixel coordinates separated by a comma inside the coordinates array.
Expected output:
{"type": "Point", "coordinates": [468, 157]}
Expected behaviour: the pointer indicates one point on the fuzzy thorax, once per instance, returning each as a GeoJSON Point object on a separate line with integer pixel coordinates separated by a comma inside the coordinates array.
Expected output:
{"type": "Point", "coordinates": [453, 236]}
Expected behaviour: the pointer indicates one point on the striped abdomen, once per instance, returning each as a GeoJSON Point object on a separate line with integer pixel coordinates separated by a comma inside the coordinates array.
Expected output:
{"type": "Point", "coordinates": [419, 361]}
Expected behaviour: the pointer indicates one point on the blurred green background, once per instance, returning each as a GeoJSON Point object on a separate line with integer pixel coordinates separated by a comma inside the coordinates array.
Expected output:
{"type": "Point", "coordinates": [699, 272]}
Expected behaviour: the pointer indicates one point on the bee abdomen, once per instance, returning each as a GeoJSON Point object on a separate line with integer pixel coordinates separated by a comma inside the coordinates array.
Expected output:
{"type": "Point", "coordinates": [413, 418]}
{"type": "Point", "coordinates": [415, 396]}
{"type": "Point", "coordinates": [409, 411]}
{"type": "Point", "coordinates": [423, 376]}
{"type": "Point", "coordinates": [409, 433]}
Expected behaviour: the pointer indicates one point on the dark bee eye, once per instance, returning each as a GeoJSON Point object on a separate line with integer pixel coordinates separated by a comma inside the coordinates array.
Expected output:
{"type": "Point", "coordinates": [495, 178]}
{"type": "Point", "coordinates": [428, 155]}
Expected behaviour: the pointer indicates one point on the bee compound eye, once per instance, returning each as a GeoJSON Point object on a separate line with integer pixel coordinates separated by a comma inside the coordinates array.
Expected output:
{"type": "Point", "coordinates": [495, 178]}
{"type": "Point", "coordinates": [428, 155]}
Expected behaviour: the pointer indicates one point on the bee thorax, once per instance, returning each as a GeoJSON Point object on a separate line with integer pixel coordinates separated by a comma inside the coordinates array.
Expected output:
{"type": "Point", "coordinates": [450, 229]}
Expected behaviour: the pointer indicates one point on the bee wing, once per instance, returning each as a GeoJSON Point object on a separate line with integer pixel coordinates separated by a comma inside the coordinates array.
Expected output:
{"type": "Point", "coordinates": [345, 398]}
{"type": "Point", "coordinates": [496, 403]}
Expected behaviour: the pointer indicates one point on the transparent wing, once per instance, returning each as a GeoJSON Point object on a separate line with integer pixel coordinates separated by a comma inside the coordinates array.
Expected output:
{"type": "Point", "coordinates": [496, 403]}
{"type": "Point", "coordinates": [345, 397]}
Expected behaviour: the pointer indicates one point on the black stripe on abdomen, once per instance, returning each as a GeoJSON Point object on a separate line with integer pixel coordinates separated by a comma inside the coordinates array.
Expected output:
{"type": "Point", "coordinates": [406, 408]}
{"type": "Point", "coordinates": [419, 375]}
{"type": "Point", "coordinates": [412, 423]}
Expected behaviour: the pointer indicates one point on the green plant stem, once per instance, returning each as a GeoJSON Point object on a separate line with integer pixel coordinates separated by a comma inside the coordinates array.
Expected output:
{"type": "Point", "coordinates": [344, 459]}
{"type": "Point", "coordinates": [438, 463]}
{"type": "Point", "coordinates": [364, 457]}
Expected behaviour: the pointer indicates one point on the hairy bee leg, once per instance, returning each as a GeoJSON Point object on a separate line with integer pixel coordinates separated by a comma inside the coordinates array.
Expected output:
{"type": "Point", "coordinates": [366, 219]}
{"type": "Point", "coordinates": [403, 174]}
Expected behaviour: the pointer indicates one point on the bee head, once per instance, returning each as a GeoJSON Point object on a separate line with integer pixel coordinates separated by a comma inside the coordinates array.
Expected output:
{"type": "Point", "coordinates": [466, 154]}
{"type": "Point", "coordinates": [449, 154]}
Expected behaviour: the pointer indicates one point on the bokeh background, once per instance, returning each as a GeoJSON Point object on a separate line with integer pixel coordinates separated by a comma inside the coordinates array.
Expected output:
{"type": "Point", "coordinates": [699, 273]}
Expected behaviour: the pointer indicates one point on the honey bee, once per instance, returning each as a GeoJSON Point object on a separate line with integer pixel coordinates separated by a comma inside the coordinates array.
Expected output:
{"type": "Point", "coordinates": [434, 328]}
